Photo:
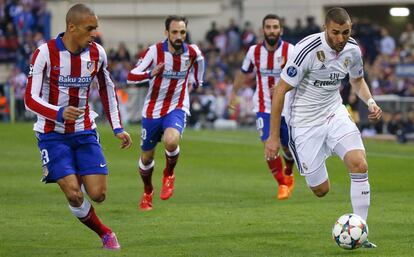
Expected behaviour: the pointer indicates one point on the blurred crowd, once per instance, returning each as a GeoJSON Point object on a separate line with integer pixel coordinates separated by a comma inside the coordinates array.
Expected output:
{"type": "Point", "coordinates": [25, 24]}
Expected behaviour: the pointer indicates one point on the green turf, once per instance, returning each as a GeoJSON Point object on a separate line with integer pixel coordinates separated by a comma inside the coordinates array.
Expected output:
{"type": "Point", "coordinates": [224, 203]}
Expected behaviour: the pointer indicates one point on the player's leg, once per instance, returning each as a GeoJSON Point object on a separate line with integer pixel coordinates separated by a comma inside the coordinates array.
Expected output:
{"type": "Point", "coordinates": [345, 140]}
{"type": "Point", "coordinates": [146, 168]}
{"type": "Point", "coordinates": [350, 150]}
{"type": "Point", "coordinates": [173, 125]}
{"type": "Point", "coordinates": [151, 133]}
{"type": "Point", "coordinates": [287, 155]}
{"type": "Point", "coordinates": [275, 165]}
{"type": "Point", "coordinates": [318, 182]}
{"type": "Point", "coordinates": [309, 150]}
{"type": "Point", "coordinates": [92, 168]}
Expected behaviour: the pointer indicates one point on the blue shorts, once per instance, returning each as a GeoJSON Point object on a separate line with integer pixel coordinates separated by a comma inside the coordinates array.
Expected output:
{"type": "Point", "coordinates": [75, 153]}
{"type": "Point", "coordinates": [263, 126]}
{"type": "Point", "coordinates": [153, 129]}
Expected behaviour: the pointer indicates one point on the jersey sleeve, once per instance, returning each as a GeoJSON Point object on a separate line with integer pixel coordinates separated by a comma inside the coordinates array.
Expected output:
{"type": "Point", "coordinates": [198, 67]}
{"type": "Point", "coordinates": [32, 97]}
{"type": "Point", "coordinates": [297, 65]}
{"type": "Point", "coordinates": [248, 62]}
{"type": "Point", "coordinates": [356, 70]}
{"type": "Point", "coordinates": [142, 71]}
{"type": "Point", "coordinates": [107, 93]}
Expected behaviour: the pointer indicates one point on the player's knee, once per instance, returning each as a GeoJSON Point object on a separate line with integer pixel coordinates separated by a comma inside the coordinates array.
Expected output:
{"type": "Point", "coordinates": [360, 166]}
{"type": "Point", "coordinates": [171, 143]}
{"type": "Point", "coordinates": [75, 197]}
{"type": "Point", "coordinates": [320, 192]}
{"type": "Point", "coordinates": [98, 198]}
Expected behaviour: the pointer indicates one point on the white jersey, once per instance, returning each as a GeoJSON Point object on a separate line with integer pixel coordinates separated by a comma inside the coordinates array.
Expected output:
{"type": "Point", "coordinates": [315, 71]}
{"type": "Point", "coordinates": [268, 65]}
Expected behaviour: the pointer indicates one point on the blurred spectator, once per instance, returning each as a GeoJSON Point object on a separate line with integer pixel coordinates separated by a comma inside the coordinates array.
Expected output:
{"type": "Point", "coordinates": [212, 33]}
{"type": "Point", "coordinates": [248, 37]}
{"type": "Point", "coordinates": [4, 107]}
{"type": "Point", "coordinates": [17, 83]}
{"type": "Point", "coordinates": [387, 43]}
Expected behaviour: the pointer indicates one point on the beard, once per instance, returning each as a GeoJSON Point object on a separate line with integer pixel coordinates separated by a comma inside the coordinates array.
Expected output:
{"type": "Point", "coordinates": [177, 44]}
{"type": "Point", "coordinates": [271, 40]}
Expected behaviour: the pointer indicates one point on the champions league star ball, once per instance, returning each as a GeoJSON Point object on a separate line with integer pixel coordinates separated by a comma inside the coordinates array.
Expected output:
{"type": "Point", "coordinates": [350, 231]}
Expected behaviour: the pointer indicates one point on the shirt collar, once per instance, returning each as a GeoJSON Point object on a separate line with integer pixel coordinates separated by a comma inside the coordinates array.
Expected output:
{"type": "Point", "coordinates": [61, 46]}
{"type": "Point", "coordinates": [165, 46]}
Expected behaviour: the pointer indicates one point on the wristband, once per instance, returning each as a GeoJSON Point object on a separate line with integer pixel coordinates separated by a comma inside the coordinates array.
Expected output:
{"type": "Point", "coordinates": [371, 101]}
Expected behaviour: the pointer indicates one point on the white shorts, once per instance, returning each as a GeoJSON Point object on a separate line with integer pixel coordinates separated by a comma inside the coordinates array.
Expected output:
{"type": "Point", "coordinates": [311, 146]}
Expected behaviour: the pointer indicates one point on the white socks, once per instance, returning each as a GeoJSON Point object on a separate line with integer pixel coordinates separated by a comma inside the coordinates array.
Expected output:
{"type": "Point", "coordinates": [81, 211]}
{"type": "Point", "coordinates": [360, 194]}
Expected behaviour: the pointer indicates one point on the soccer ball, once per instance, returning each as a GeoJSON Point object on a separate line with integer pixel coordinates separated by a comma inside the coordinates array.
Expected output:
{"type": "Point", "coordinates": [350, 231]}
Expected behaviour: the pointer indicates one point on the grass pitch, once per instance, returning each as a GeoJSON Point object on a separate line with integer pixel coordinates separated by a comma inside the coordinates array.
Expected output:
{"type": "Point", "coordinates": [224, 203]}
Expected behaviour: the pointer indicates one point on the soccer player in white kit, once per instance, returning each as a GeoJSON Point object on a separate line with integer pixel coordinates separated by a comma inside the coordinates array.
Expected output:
{"type": "Point", "coordinates": [319, 123]}
{"type": "Point", "coordinates": [267, 59]}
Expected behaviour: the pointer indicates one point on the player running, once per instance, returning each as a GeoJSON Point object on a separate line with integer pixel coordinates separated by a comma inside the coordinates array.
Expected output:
{"type": "Point", "coordinates": [167, 65]}
{"type": "Point", "coordinates": [267, 59]}
{"type": "Point", "coordinates": [319, 123]}
{"type": "Point", "coordinates": [58, 85]}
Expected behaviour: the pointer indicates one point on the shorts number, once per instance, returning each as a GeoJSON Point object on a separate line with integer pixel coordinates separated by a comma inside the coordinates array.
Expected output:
{"type": "Point", "coordinates": [259, 123]}
{"type": "Point", "coordinates": [143, 134]}
{"type": "Point", "coordinates": [44, 155]}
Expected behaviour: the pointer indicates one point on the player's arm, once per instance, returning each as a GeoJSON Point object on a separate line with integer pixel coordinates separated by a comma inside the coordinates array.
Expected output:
{"type": "Point", "coordinates": [272, 144]}
{"type": "Point", "coordinates": [240, 78]}
{"type": "Point", "coordinates": [362, 90]}
{"type": "Point", "coordinates": [237, 84]}
{"type": "Point", "coordinates": [144, 69]}
{"type": "Point", "coordinates": [198, 68]}
{"type": "Point", "coordinates": [110, 102]}
{"type": "Point", "coordinates": [32, 99]}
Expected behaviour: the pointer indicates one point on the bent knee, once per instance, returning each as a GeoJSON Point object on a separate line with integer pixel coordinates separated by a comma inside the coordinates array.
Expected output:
{"type": "Point", "coordinates": [320, 192]}
{"type": "Point", "coordinates": [75, 197]}
{"type": "Point", "coordinates": [97, 196]}
{"type": "Point", "coordinates": [359, 166]}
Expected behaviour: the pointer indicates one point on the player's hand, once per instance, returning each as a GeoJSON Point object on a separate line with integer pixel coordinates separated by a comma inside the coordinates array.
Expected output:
{"type": "Point", "coordinates": [71, 113]}
{"type": "Point", "coordinates": [272, 147]}
{"type": "Point", "coordinates": [157, 69]}
{"type": "Point", "coordinates": [375, 113]}
{"type": "Point", "coordinates": [233, 101]}
{"type": "Point", "coordinates": [125, 138]}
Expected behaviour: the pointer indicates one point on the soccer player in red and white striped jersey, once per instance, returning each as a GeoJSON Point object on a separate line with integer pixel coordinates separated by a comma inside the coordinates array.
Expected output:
{"type": "Point", "coordinates": [167, 65]}
{"type": "Point", "coordinates": [267, 59]}
{"type": "Point", "coordinates": [57, 91]}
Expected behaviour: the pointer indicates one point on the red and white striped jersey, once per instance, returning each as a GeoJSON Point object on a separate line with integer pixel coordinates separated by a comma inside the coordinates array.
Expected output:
{"type": "Point", "coordinates": [168, 90]}
{"type": "Point", "coordinates": [58, 78]}
{"type": "Point", "coordinates": [268, 66]}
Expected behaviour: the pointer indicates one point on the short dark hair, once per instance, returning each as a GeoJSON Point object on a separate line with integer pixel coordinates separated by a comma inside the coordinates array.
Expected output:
{"type": "Point", "coordinates": [72, 16]}
{"type": "Point", "coordinates": [338, 15]}
{"type": "Point", "coordinates": [174, 18]}
{"type": "Point", "coordinates": [271, 17]}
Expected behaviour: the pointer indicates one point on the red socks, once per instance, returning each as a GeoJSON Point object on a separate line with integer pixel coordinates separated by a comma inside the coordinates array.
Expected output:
{"type": "Point", "coordinates": [92, 221]}
{"type": "Point", "coordinates": [276, 168]}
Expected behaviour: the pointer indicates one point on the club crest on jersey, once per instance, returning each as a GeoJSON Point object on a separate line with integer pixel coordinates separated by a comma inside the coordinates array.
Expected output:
{"type": "Point", "coordinates": [347, 62]}
{"type": "Point", "coordinates": [90, 65]}
{"type": "Point", "coordinates": [320, 55]}
{"type": "Point", "coordinates": [187, 63]}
